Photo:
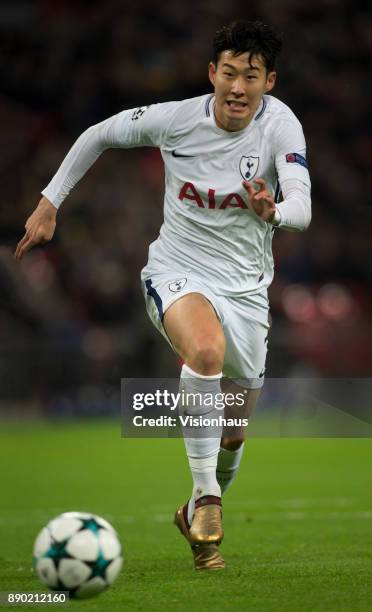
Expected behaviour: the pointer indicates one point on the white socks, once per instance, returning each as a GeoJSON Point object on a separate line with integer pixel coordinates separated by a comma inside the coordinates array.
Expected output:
{"type": "Point", "coordinates": [213, 468]}
{"type": "Point", "coordinates": [202, 452]}
{"type": "Point", "coordinates": [227, 466]}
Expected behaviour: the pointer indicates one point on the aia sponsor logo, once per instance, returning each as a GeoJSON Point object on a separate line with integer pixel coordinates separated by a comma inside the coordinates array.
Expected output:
{"type": "Point", "coordinates": [190, 192]}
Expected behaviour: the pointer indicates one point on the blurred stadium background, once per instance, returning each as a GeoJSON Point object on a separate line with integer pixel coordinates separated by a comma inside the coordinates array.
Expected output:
{"type": "Point", "coordinates": [72, 318]}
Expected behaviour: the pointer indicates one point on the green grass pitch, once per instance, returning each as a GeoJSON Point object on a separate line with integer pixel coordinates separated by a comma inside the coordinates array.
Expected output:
{"type": "Point", "coordinates": [298, 519]}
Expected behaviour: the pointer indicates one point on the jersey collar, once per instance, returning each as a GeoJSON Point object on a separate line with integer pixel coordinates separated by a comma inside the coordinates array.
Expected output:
{"type": "Point", "coordinates": [209, 108]}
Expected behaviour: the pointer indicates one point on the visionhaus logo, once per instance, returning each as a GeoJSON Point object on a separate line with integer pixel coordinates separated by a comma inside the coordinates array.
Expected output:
{"type": "Point", "coordinates": [188, 420]}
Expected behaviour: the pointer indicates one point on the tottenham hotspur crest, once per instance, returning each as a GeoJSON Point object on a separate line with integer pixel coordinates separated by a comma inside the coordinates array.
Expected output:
{"type": "Point", "coordinates": [177, 285]}
{"type": "Point", "coordinates": [248, 167]}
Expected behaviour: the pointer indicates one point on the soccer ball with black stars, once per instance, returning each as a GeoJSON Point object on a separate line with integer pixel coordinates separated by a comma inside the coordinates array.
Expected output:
{"type": "Point", "coordinates": [77, 552]}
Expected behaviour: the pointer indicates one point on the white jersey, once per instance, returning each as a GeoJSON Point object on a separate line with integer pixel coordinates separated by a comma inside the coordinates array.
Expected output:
{"type": "Point", "coordinates": [209, 229]}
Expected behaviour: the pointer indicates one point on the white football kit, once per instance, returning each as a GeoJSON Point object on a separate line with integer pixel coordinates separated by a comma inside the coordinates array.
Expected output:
{"type": "Point", "coordinates": [211, 242]}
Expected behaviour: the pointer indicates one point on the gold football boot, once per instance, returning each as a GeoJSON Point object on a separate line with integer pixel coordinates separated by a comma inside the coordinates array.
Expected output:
{"type": "Point", "coordinates": [206, 556]}
{"type": "Point", "coordinates": [206, 527]}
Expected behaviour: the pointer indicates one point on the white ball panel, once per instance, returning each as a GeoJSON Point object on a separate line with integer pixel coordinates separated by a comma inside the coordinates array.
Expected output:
{"type": "Point", "coordinates": [63, 527]}
{"type": "Point", "coordinates": [73, 572]}
{"type": "Point", "coordinates": [42, 543]}
{"type": "Point", "coordinates": [83, 545]}
{"type": "Point", "coordinates": [77, 515]}
{"type": "Point", "coordinates": [92, 587]}
{"type": "Point", "coordinates": [47, 572]}
{"type": "Point", "coordinates": [113, 570]}
{"type": "Point", "coordinates": [109, 543]}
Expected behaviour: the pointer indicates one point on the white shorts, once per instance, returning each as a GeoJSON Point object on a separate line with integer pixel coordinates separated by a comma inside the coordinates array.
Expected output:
{"type": "Point", "coordinates": [245, 322]}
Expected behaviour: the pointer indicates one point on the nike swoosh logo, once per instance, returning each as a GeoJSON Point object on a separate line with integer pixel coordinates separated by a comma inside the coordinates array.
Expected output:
{"type": "Point", "coordinates": [175, 154]}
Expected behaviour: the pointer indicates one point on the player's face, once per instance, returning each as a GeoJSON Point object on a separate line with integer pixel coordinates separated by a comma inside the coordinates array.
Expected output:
{"type": "Point", "coordinates": [239, 83]}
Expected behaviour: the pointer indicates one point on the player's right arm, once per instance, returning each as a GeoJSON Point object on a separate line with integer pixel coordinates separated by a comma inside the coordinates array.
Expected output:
{"type": "Point", "coordinates": [144, 126]}
{"type": "Point", "coordinates": [39, 227]}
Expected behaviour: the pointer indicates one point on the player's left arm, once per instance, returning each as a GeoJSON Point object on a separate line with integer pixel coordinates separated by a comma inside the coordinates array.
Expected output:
{"type": "Point", "coordinates": [293, 213]}
{"type": "Point", "coordinates": [289, 150]}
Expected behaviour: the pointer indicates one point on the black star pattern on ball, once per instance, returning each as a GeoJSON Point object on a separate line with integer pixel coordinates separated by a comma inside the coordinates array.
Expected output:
{"type": "Point", "coordinates": [90, 524]}
{"type": "Point", "coordinates": [57, 551]}
{"type": "Point", "coordinates": [99, 566]}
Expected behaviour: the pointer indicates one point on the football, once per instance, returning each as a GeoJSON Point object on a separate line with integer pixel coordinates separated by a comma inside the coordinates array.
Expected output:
{"type": "Point", "coordinates": [77, 552]}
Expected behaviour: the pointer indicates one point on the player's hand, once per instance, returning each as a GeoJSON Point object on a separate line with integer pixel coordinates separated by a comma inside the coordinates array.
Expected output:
{"type": "Point", "coordinates": [261, 201]}
{"type": "Point", "coordinates": [39, 227]}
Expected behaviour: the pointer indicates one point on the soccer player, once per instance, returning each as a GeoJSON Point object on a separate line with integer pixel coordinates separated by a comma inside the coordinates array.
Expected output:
{"type": "Point", "coordinates": [228, 155]}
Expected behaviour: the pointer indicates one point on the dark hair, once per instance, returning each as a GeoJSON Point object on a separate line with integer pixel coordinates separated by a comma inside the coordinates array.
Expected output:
{"type": "Point", "coordinates": [253, 37]}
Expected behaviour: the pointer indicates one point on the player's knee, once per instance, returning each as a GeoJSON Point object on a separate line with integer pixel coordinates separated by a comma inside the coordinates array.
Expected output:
{"type": "Point", "coordinates": [207, 356]}
{"type": "Point", "coordinates": [233, 443]}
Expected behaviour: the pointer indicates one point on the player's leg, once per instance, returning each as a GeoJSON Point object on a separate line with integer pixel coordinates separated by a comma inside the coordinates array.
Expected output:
{"type": "Point", "coordinates": [246, 327]}
{"type": "Point", "coordinates": [197, 335]}
{"type": "Point", "coordinates": [232, 441]}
